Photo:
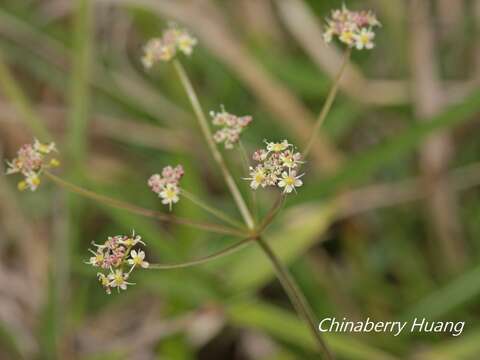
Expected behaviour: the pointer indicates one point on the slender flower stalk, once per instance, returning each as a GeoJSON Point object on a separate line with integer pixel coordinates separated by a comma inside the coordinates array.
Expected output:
{"type": "Point", "coordinates": [215, 212]}
{"type": "Point", "coordinates": [272, 213]}
{"type": "Point", "coordinates": [286, 280]}
{"type": "Point", "coordinates": [328, 103]}
{"type": "Point", "coordinates": [197, 108]}
{"type": "Point", "coordinates": [227, 251]}
{"type": "Point", "coordinates": [142, 211]}
{"type": "Point", "coordinates": [296, 296]}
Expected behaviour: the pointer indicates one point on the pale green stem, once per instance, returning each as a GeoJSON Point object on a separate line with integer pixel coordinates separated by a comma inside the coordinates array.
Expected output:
{"type": "Point", "coordinates": [197, 108]}
{"type": "Point", "coordinates": [288, 283]}
{"type": "Point", "coordinates": [227, 251]}
{"type": "Point", "coordinates": [328, 104]}
{"type": "Point", "coordinates": [142, 211]}
{"type": "Point", "coordinates": [295, 295]}
{"type": "Point", "coordinates": [215, 212]}
{"type": "Point", "coordinates": [267, 220]}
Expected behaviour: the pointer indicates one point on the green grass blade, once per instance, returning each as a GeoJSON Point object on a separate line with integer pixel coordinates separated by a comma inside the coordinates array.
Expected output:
{"type": "Point", "coordinates": [79, 91]}
{"type": "Point", "coordinates": [442, 301]}
{"type": "Point", "coordinates": [364, 165]}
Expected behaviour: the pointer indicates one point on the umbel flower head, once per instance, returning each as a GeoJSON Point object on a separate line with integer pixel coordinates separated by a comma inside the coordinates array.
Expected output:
{"type": "Point", "coordinates": [166, 184]}
{"type": "Point", "coordinates": [231, 127]}
{"type": "Point", "coordinates": [277, 165]}
{"type": "Point", "coordinates": [353, 28]}
{"type": "Point", "coordinates": [116, 259]}
{"type": "Point", "coordinates": [166, 47]}
{"type": "Point", "coordinates": [31, 160]}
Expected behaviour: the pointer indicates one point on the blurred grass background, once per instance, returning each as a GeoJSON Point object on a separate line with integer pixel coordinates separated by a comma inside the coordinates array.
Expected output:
{"type": "Point", "coordinates": [385, 227]}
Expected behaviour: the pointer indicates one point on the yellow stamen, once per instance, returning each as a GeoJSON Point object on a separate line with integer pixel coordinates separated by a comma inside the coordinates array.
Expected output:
{"type": "Point", "coordinates": [54, 163]}
{"type": "Point", "coordinates": [22, 185]}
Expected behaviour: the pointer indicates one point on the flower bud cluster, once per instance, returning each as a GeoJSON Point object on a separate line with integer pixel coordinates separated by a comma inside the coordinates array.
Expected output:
{"type": "Point", "coordinates": [165, 48]}
{"type": "Point", "coordinates": [117, 259]}
{"type": "Point", "coordinates": [166, 185]}
{"type": "Point", "coordinates": [277, 165]}
{"type": "Point", "coordinates": [31, 160]}
{"type": "Point", "coordinates": [353, 28]}
{"type": "Point", "coordinates": [232, 127]}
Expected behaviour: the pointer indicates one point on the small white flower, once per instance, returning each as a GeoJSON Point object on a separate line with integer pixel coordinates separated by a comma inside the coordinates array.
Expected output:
{"type": "Point", "coordinates": [169, 195]}
{"type": "Point", "coordinates": [257, 177]}
{"type": "Point", "coordinates": [137, 259]}
{"type": "Point", "coordinates": [364, 39]}
{"type": "Point", "coordinates": [97, 259]}
{"type": "Point", "coordinates": [290, 160]}
{"type": "Point", "coordinates": [104, 282]}
{"type": "Point", "coordinates": [32, 181]}
{"type": "Point", "coordinates": [130, 241]}
{"type": "Point", "coordinates": [354, 28]}
{"type": "Point", "coordinates": [186, 42]}
{"type": "Point", "coordinates": [278, 147]}
{"type": "Point", "coordinates": [13, 167]}
{"type": "Point", "coordinates": [118, 279]}
{"type": "Point", "coordinates": [290, 181]}
{"type": "Point", "coordinates": [328, 36]}
{"type": "Point", "coordinates": [347, 37]}
{"type": "Point", "coordinates": [44, 148]}
{"type": "Point", "coordinates": [31, 160]}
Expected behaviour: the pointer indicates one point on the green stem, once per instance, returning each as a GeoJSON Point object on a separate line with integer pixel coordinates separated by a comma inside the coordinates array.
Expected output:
{"type": "Point", "coordinates": [296, 296]}
{"type": "Point", "coordinates": [215, 212]}
{"type": "Point", "coordinates": [142, 211]}
{"type": "Point", "coordinates": [227, 251]}
{"type": "Point", "coordinates": [328, 103]}
{"type": "Point", "coordinates": [197, 108]}
{"type": "Point", "coordinates": [267, 220]}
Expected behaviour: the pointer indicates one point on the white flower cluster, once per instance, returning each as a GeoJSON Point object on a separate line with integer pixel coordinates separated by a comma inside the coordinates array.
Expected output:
{"type": "Point", "coordinates": [113, 257]}
{"type": "Point", "coordinates": [353, 28]}
{"type": "Point", "coordinates": [31, 160]}
{"type": "Point", "coordinates": [232, 127]}
{"type": "Point", "coordinates": [165, 48]}
{"type": "Point", "coordinates": [166, 184]}
{"type": "Point", "coordinates": [277, 166]}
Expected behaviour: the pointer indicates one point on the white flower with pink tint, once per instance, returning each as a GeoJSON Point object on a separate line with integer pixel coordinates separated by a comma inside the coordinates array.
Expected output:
{"type": "Point", "coordinates": [166, 47]}
{"type": "Point", "coordinates": [231, 125]}
{"type": "Point", "coordinates": [31, 160]}
{"type": "Point", "coordinates": [166, 185]}
{"type": "Point", "coordinates": [114, 257]}
{"type": "Point", "coordinates": [353, 28]}
{"type": "Point", "coordinates": [277, 166]}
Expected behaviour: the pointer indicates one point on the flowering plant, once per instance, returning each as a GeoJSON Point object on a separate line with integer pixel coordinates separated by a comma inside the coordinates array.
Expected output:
{"type": "Point", "coordinates": [353, 28]}
{"type": "Point", "coordinates": [31, 160]}
{"type": "Point", "coordinates": [276, 165]}
{"type": "Point", "coordinates": [113, 256]}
